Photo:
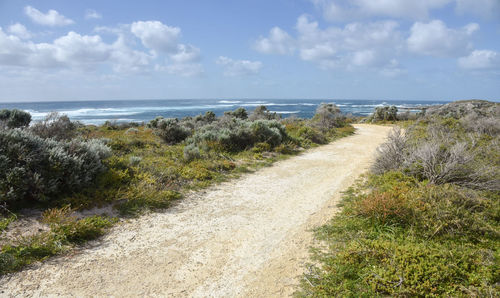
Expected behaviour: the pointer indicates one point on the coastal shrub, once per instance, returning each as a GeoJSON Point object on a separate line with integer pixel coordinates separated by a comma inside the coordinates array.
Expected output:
{"type": "Point", "coordinates": [231, 135]}
{"type": "Point", "coordinates": [381, 267]}
{"type": "Point", "coordinates": [69, 228]}
{"type": "Point", "coordinates": [239, 113]}
{"type": "Point", "coordinates": [132, 130]}
{"type": "Point", "coordinates": [327, 117]}
{"type": "Point", "coordinates": [236, 135]}
{"type": "Point", "coordinates": [271, 132]}
{"type": "Point", "coordinates": [441, 152]}
{"type": "Point", "coordinates": [115, 125]}
{"type": "Point", "coordinates": [262, 113]}
{"type": "Point", "coordinates": [312, 134]}
{"type": "Point", "coordinates": [55, 126]}
{"type": "Point", "coordinates": [169, 129]}
{"type": "Point", "coordinates": [261, 147]}
{"type": "Point", "coordinates": [191, 152]}
{"type": "Point", "coordinates": [14, 118]}
{"type": "Point", "coordinates": [400, 237]}
{"type": "Point", "coordinates": [37, 169]}
{"type": "Point", "coordinates": [28, 250]}
{"type": "Point", "coordinates": [135, 160]}
{"type": "Point", "coordinates": [144, 196]}
{"type": "Point", "coordinates": [385, 113]}
{"type": "Point", "coordinates": [233, 140]}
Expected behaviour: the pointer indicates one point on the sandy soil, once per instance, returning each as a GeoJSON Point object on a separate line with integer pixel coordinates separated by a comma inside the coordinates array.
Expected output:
{"type": "Point", "coordinates": [246, 237]}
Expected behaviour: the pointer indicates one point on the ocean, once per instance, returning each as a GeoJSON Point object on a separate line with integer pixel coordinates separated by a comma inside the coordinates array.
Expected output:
{"type": "Point", "coordinates": [97, 112]}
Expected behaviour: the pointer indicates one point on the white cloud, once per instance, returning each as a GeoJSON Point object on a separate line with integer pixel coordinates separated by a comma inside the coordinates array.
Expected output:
{"type": "Point", "coordinates": [20, 31]}
{"type": "Point", "coordinates": [186, 54]}
{"type": "Point", "coordinates": [356, 9]}
{"type": "Point", "coordinates": [92, 14]}
{"type": "Point", "coordinates": [372, 45]}
{"type": "Point", "coordinates": [488, 9]}
{"type": "Point", "coordinates": [480, 60]}
{"type": "Point", "coordinates": [278, 42]}
{"type": "Point", "coordinates": [51, 18]}
{"type": "Point", "coordinates": [436, 39]}
{"type": "Point", "coordinates": [73, 51]}
{"type": "Point", "coordinates": [157, 36]}
{"type": "Point", "coordinates": [234, 68]}
{"type": "Point", "coordinates": [90, 52]}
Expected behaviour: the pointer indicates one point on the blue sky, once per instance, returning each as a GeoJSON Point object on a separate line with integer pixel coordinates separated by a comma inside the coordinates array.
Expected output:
{"type": "Point", "coordinates": [332, 49]}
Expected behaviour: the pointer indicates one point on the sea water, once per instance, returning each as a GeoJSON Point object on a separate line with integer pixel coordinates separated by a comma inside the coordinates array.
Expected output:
{"type": "Point", "coordinates": [97, 112]}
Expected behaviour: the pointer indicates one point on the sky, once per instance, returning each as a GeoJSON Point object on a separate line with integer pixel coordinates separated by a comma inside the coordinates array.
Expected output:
{"type": "Point", "coordinates": [258, 49]}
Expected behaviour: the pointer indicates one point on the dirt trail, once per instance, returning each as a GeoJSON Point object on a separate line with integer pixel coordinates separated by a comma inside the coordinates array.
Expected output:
{"type": "Point", "coordinates": [247, 237]}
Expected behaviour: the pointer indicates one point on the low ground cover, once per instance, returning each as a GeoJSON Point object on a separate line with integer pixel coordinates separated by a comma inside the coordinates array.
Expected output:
{"type": "Point", "coordinates": [424, 222]}
{"type": "Point", "coordinates": [61, 168]}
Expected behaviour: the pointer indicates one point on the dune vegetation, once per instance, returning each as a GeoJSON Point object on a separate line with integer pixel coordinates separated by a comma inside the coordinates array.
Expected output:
{"type": "Point", "coordinates": [426, 220]}
{"type": "Point", "coordinates": [58, 170]}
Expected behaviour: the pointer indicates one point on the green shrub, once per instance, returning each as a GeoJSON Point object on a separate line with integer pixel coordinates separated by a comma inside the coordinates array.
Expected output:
{"type": "Point", "coordinates": [239, 113]}
{"type": "Point", "coordinates": [29, 250]}
{"type": "Point", "coordinates": [36, 169]}
{"type": "Point", "coordinates": [311, 134]}
{"type": "Point", "coordinates": [261, 147]}
{"type": "Point", "coordinates": [191, 152]}
{"type": "Point", "coordinates": [169, 130]}
{"type": "Point", "coordinates": [398, 236]}
{"type": "Point", "coordinates": [327, 117]}
{"type": "Point", "coordinates": [262, 113]}
{"type": "Point", "coordinates": [405, 268]}
{"type": "Point", "coordinates": [55, 126]}
{"type": "Point", "coordinates": [440, 151]}
{"type": "Point", "coordinates": [144, 196]}
{"type": "Point", "coordinates": [14, 118]}
{"type": "Point", "coordinates": [132, 130]}
{"type": "Point", "coordinates": [271, 132]}
{"type": "Point", "coordinates": [66, 226]}
{"type": "Point", "coordinates": [385, 113]}
{"type": "Point", "coordinates": [135, 160]}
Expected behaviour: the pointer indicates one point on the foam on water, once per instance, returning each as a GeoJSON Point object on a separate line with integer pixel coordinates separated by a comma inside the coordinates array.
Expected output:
{"type": "Point", "coordinates": [97, 112]}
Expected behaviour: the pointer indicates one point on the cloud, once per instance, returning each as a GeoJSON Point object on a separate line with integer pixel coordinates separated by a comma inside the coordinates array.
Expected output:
{"type": "Point", "coordinates": [92, 14]}
{"type": "Point", "coordinates": [234, 68]}
{"type": "Point", "coordinates": [278, 42]}
{"type": "Point", "coordinates": [356, 45]}
{"type": "Point", "coordinates": [156, 36]}
{"type": "Point", "coordinates": [163, 39]}
{"type": "Point", "coordinates": [51, 18]}
{"type": "Point", "coordinates": [186, 54]}
{"type": "Point", "coordinates": [480, 60]}
{"type": "Point", "coordinates": [337, 11]}
{"type": "Point", "coordinates": [488, 9]}
{"type": "Point", "coordinates": [373, 46]}
{"type": "Point", "coordinates": [436, 39]}
{"type": "Point", "coordinates": [20, 31]}
{"type": "Point", "coordinates": [75, 51]}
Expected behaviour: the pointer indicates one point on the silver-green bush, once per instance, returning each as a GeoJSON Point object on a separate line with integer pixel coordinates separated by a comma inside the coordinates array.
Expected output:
{"type": "Point", "coordinates": [14, 118]}
{"type": "Point", "coordinates": [169, 129]}
{"type": "Point", "coordinates": [37, 169]}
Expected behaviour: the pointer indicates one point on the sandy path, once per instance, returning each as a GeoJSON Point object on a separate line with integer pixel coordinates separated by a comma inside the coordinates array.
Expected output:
{"type": "Point", "coordinates": [247, 237]}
